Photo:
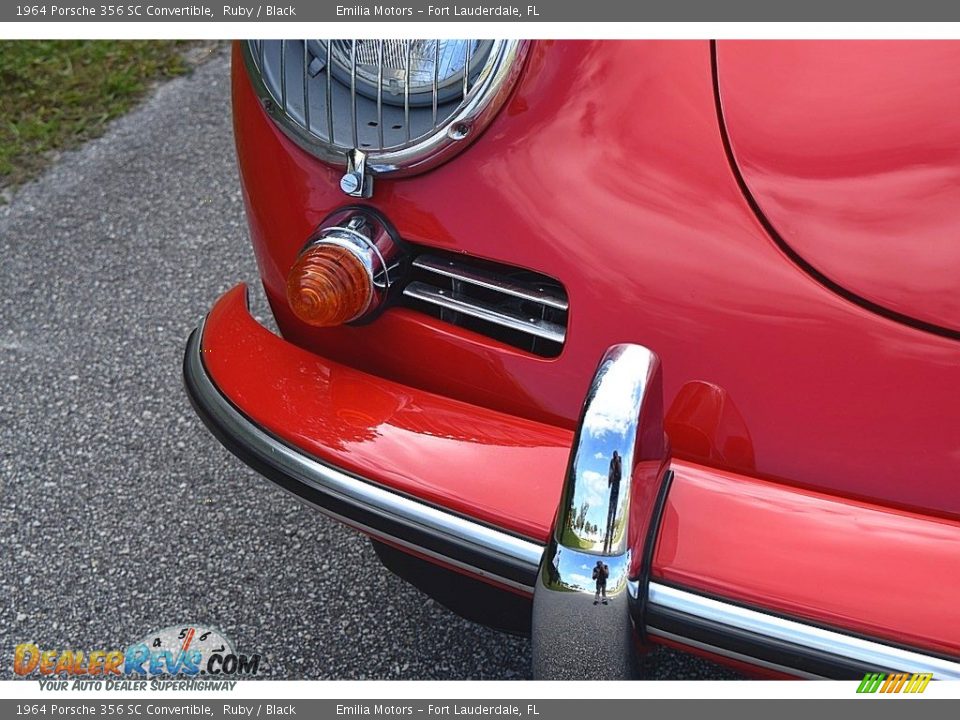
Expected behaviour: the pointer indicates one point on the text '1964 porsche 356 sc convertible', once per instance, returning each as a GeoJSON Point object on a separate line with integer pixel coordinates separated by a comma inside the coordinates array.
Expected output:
{"type": "Point", "coordinates": [615, 343]}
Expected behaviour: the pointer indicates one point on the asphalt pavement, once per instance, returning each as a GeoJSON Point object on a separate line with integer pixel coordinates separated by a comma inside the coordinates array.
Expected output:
{"type": "Point", "coordinates": [119, 512]}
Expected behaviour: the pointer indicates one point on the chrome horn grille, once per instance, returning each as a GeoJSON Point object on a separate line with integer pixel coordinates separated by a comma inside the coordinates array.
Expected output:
{"type": "Point", "coordinates": [517, 307]}
{"type": "Point", "coordinates": [407, 105]}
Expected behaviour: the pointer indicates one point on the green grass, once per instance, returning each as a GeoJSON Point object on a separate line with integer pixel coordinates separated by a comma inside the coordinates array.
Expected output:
{"type": "Point", "coordinates": [58, 93]}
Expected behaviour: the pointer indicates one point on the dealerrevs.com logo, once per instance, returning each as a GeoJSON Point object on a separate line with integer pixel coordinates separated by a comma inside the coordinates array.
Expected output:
{"type": "Point", "coordinates": [185, 651]}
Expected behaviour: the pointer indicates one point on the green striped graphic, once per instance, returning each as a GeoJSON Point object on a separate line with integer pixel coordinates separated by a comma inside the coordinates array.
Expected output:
{"type": "Point", "coordinates": [871, 682]}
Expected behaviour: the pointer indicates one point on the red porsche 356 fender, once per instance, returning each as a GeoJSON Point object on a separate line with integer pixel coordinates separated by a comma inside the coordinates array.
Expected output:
{"type": "Point", "coordinates": [607, 170]}
{"type": "Point", "coordinates": [812, 413]}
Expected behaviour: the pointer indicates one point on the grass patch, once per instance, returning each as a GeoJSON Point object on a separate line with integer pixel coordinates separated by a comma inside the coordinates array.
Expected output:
{"type": "Point", "coordinates": [58, 93]}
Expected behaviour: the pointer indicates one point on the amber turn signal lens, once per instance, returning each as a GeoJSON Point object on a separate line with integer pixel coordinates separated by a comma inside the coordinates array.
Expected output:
{"type": "Point", "coordinates": [328, 286]}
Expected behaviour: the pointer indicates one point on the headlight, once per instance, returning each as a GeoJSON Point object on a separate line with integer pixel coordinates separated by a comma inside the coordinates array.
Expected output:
{"type": "Point", "coordinates": [391, 106]}
{"type": "Point", "coordinates": [407, 69]}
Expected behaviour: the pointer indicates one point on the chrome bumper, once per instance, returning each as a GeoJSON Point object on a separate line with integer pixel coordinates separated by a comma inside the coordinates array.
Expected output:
{"type": "Point", "coordinates": [777, 643]}
{"type": "Point", "coordinates": [386, 515]}
{"type": "Point", "coordinates": [572, 637]}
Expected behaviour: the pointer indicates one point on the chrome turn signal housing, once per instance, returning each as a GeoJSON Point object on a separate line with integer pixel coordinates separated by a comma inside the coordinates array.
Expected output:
{"type": "Point", "coordinates": [345, 271]}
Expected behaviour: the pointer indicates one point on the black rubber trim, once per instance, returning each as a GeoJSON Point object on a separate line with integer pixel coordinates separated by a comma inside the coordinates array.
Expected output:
{"type": "Point", "coordinates": [389, 527]}
{"type": "Point", "coordinates": [785, 247]}
{"type": "Point", "coordinates": [760, 647]}
{"type": "Point", "coordinates": [639, 605]}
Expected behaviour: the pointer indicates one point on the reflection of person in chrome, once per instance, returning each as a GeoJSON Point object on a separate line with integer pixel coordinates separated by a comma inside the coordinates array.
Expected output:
{"type": "Point", "coordinates": [613, 482]}
{"type": "Point", "coordinates": [600, 573]}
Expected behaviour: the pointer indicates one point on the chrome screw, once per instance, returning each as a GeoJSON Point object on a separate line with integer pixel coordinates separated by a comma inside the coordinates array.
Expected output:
{"type": "Point", "coordinates": [351, 183]}
{"type": "Point", "coordinates": [356, 182]}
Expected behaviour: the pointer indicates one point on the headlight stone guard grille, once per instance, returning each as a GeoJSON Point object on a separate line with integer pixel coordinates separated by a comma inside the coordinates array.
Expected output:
{"type": "Point", "coordinates": [321, 104]}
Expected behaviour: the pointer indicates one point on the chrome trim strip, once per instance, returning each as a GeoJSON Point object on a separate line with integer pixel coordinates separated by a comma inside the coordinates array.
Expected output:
{"type": "Point", "coordinates": [306, 90]}
{"type": "Point", "coordinates": [406, 90]}
{"type": "Point", "coordinates": [482, 311]}
{"type": "Point", "coordinates": [353, 93]}
{"type": "Point", "coordinates": [381, 512]}
{"type": "Point", "coordinates": [435, 86]}
{"type": "Point", "coordinates": [328, 89]}
{"type": "Point", "coordinates": [489, 280]}
{"type": "Point", "coordinates": [283, 74]}
{"type": "Point", "coordinates": [379, 92]}
{"type": "Point", "coordinates": [848, 647]}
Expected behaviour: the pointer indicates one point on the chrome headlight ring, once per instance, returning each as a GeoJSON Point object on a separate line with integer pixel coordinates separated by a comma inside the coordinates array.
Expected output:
{"type": "Point", "coordinates": [332, 112]}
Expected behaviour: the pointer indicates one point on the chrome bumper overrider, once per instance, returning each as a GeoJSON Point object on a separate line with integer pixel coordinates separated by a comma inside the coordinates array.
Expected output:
{"type": "Point", "coordinates": [583, 606]}
{"type": "Point", "coordinates": [572, 636]}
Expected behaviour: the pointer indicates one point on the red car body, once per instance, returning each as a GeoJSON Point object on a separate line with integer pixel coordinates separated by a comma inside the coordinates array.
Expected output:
{"type": "Point", "coordinates": [775, 220]}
